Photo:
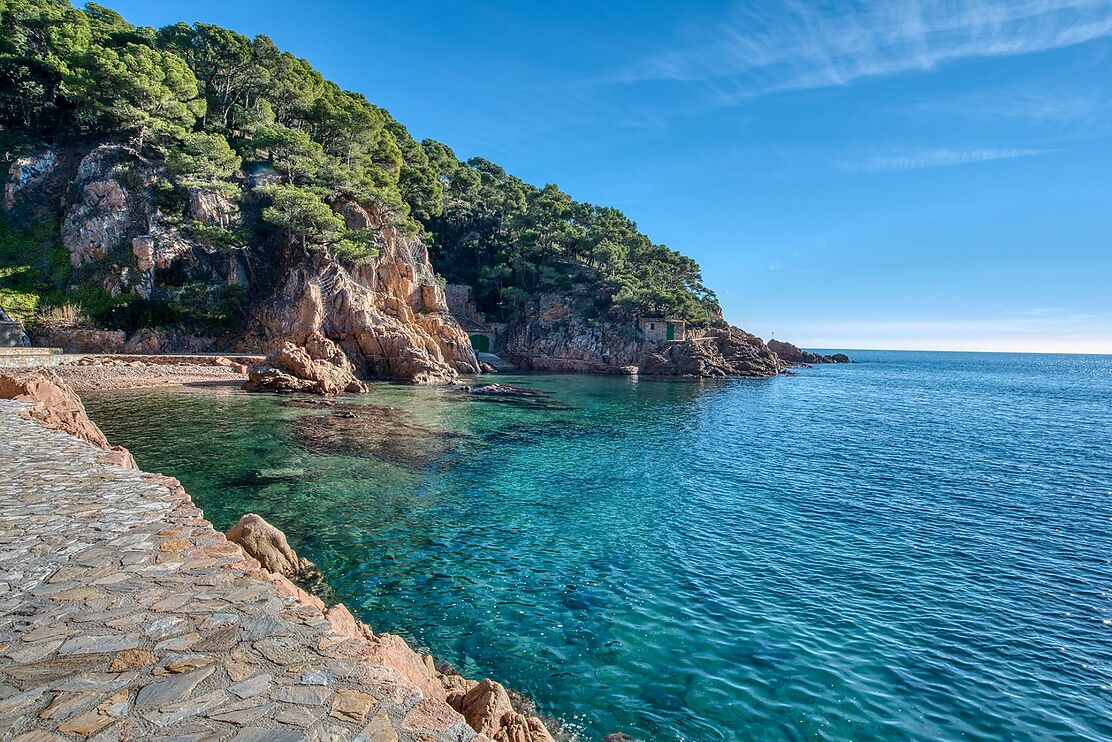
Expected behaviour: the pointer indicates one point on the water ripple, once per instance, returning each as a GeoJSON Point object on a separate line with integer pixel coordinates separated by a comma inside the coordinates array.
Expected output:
{"type": "Point", "coordinates": [912, 548]}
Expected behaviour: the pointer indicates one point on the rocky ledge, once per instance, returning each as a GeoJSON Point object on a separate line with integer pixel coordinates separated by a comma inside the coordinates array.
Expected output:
{"type": "Point", "coordinates": [793, 355]}
{"type": "Point", "coordinates": [127, 616]}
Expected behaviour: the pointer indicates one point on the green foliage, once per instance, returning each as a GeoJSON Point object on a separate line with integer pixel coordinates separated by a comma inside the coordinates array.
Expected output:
{"type": "Point", "coordinates": [356, 246]}
{"type": "Point", "coordinates": [220, 238]}
{"type": "Point", "coordinates": [211, 101]}
{"type": "Point", "coordinates": [171, 199]}
{"type": "Point", "coordinates": [512, 241]}
{"type": "Point", "coordinates": [33, 267]}
{"type": "Point", "coordinates": [203, 155]}
{"type": "Point", "coordinates": [99, 304]}
{"type": "Point", "coordinates": [303, 214]}
{"type": "Point", "coordinates": [207, 306]}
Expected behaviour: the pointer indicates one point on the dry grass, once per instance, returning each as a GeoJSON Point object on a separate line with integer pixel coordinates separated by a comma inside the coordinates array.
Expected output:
{"type": "Point", "coordinates": [61, 316]}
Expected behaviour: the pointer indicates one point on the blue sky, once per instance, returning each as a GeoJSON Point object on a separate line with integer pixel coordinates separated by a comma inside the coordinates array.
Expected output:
{"type": "Point", "coordinates": [893, 174]}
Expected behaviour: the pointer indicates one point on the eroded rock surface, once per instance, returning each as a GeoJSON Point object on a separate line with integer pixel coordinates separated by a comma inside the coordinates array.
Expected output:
{"type": "Point", "coordinates": [56, 405]}
{"type": "Point", "coordinates": [26, 173]}
{"type": "Point", "coordinates": [390, 316]}
{"type": "Point", "coordinates": [318, 366]}
{"type": "Point", "coordinates": [488, 710]}
{"type": "Point", "coordinates": [793, 355]}
{"type": "Point", "coordinates": [718, 353]}
{"type": "Point", "coordinates": [269, 546]}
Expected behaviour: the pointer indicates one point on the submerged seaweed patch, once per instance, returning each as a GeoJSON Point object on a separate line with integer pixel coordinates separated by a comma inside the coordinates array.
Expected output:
{"type": "Point", "coordinates": [372, 431]}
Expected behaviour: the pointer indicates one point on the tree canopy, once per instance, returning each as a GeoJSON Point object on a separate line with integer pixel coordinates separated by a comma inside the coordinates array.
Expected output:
{"type": "Point", "coordinates": [214, 104]}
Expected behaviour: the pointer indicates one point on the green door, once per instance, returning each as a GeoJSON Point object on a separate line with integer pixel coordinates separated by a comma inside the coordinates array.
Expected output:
{"type": "Point", "coordinates": [480, 343]}
{"type": "Point", "coordinates": [671, 331]}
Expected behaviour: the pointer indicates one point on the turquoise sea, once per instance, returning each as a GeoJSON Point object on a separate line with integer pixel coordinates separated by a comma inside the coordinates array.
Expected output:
{"type": "Point", "coordinates": [914, 547]}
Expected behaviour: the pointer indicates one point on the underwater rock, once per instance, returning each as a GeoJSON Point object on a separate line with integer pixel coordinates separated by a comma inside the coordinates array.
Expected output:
{"type": "Point", "coordinates": [503, 390]}
{"type": "Point", "coordinates": [372, 431]}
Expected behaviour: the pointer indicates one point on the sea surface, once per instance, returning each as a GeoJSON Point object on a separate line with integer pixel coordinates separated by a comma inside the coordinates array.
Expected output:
{"type": "Point", "coordinates": [914, 547]}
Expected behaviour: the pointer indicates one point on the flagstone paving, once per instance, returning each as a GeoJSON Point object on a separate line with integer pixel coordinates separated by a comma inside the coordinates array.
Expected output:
{"type": "Point", "coordinates": [125, 616]}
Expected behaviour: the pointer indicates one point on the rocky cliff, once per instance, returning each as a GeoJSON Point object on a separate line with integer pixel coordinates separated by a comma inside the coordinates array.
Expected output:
{"type": "Point", "coordinates": [563, 333]}
{"type": "Point", "coordinates": [193, 259]}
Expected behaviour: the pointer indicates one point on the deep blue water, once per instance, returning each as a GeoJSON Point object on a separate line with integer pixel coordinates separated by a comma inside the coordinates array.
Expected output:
{"type": "Point", "coordinates": [915, 547]}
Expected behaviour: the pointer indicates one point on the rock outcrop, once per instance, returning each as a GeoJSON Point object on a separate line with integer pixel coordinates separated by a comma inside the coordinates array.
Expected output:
{"type": "Point", "coordinates": [389, 316]}
{"type": "Point", "coordinates": [57, 406]}
{"type": "Point", "coordinates": [318, 366]}
{"type": "Point", "coordinates": [488, 710]}
{"type": "Point", "coordinates": [793, 355]}
{"type": "Point", "coordinates": [556, 334]}
{"type": "Point", "coordinates": [269, 546]}
{"type": "Point", "coordinates": [553, 333]}
{"type": "Point", "coordinates": [27, 173]}
{"type": "Point", "coordinates": [717, 353]}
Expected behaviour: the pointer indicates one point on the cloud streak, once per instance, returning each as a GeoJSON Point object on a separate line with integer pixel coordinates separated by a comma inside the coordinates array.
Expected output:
{"type": "Point", "coordinates": [937, 158]}
{"type": "Point", "coordinates": [765, 47]}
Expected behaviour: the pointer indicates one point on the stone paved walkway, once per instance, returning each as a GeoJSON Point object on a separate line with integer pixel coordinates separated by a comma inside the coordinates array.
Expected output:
{"type": "Point", "coordinates": [125, 616]}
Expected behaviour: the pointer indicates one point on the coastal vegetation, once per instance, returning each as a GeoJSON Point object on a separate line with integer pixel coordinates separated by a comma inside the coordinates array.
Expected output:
{"type": "Point", "coordinates": [216, 109]}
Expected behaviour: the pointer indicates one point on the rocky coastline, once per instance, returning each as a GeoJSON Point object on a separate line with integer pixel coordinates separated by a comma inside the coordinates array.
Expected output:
{"type": "Point", "coordinates": [325, 322]}
{"type": "Point", "coordinates": [331, 677]}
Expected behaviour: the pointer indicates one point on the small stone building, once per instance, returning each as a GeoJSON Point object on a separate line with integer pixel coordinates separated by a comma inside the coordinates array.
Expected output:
{"type": "Point", "coordinates": [662, 328]}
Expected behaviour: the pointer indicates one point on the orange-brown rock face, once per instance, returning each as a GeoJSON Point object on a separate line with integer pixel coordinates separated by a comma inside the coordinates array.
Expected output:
{"type": "Point", "coordinates": [390, 316]}
{"type": "Point", "coordinates": [57, 406]}
{"type": "Point", "coordinates": [319, 367]}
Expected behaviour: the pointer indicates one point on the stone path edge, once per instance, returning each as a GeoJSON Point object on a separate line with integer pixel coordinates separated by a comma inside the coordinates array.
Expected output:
{"type": "Point", "coordinates": [125, 615]}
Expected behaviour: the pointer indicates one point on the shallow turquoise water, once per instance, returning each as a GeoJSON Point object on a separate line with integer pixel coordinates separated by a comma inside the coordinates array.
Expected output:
{"type": "Point", "coordinates": [916, 547]}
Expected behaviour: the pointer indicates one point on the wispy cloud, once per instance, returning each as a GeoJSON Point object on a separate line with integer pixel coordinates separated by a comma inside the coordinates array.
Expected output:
{"type": "Point", "coordinates": [935, 158]}
{"type": "Point", "coordinates": [1041, 106]}
{"type": "Point", "coordinates": [767, 47]}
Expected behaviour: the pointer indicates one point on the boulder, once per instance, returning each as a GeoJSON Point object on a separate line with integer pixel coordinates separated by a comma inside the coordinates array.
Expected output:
{"type": "Point", "coordinates": [269, 547]}
{"type": "Point", "coordinates": [211, 207]}
{"type": "Point", "coordinates": [488, 710]}
{"type": "Point", "coordinates": [57, 406]}
{"type": "Point", "coordinates": [316, 365]}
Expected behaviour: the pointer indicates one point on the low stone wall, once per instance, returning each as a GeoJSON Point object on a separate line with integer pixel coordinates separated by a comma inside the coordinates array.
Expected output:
{"type": "Point", "coordinates": [74, 340]}
{"type": "Point", "coordinates": [24, 357]}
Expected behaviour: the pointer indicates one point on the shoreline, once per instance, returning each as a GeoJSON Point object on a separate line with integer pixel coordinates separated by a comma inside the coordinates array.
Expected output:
{"type": "Point", "coordinates": [87, 372]}
{"type": "Point", "coordinates": [348, 682]}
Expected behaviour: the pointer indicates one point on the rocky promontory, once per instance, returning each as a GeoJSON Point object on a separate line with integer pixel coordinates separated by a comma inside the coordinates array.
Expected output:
{"type": "Point", "coordinates": [793, 355]}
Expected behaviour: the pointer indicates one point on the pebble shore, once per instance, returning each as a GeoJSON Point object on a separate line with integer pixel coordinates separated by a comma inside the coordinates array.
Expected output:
{"type": "Point", "coordinates": [94, 373]}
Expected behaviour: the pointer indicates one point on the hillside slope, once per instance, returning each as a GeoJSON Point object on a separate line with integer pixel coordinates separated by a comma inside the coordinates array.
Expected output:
{"type": "Point", "coordinates": [195, 188]}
